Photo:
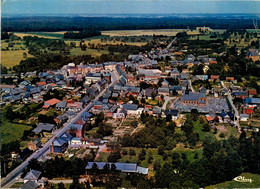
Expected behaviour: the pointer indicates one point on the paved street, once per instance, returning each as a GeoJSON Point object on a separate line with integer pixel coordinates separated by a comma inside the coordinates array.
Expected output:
{"type": "Point", "coordinates": [166, 100]}
{"type": "Point", "coordinates": [190, 83]}
{"type": "Point", "coordinates": [9, 179]}
{"type": "Point", "coordinates": [233, 106]}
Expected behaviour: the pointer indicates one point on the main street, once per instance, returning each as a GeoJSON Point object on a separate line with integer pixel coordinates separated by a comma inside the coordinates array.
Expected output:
{"type": "Point", "coordinates": [10, 178]}
{"type": "Point", "coordinates": [236, 121]}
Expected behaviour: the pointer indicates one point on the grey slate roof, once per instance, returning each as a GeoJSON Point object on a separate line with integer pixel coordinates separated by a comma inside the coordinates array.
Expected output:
{"type": "Point", "coordinates": [29, 185]}
{"type": "Point", "coordinates": [32, 175]}
{"type": "Point", "coordinates": [43, 127]}
{"type": "Point", "coordinates": [61, 104]}
{"type": "Point", "coordinates": [130, 106]}
{"type": "Point", "coordinates": [124, 167]}
{"type": "Point", "coordinates": [193, 96]}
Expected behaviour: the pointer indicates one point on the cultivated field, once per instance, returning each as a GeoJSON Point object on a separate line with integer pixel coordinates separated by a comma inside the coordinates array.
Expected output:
{"type": "Point", "coordinates": [12, 58]}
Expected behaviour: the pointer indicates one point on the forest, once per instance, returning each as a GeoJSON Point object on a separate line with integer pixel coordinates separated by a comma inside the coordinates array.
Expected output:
{"type": "Point", "coordinates": [44, 23]}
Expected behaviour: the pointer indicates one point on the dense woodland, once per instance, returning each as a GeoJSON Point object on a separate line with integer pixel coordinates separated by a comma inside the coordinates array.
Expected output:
{"type": "Point", "coordinates": [25, 24]}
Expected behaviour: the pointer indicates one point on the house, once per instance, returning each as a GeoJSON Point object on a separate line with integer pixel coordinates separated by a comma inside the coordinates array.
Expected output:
{"type": "Point", "coordinates": [203, 90]}
{"type": "Point", "coordinates": [253, 54]}
{"type": "Point", "coordinates": [211, 117]}
{"type": "Point", "coordinates": [163, 91]}
{"type": "Point", "coordinates": [254, 102]}
{"type": "Point", "coordinates": [230, 79]}
{"type": "Point", "coordinates": [61, 106]}
{"type": "Point", "coordinates": [92, 78]}
{"type": "Point", "coordinates": [149, 93]}
{"type": "Point", "coordinates": [75, 107]}
{"type": "Point", "coordinates": [29, 185]}
{"type": "Point", "coordinates": [157, 111]}
{"type": "Point", "coordinates": [33, 176]}
{"type": "Point", "coordinates": [178, 89]}
{"type": "Point", "coordinates": [121, 113]}
{"type": "Point", "coordinates": [79, 141]}
{"type": "Point", "coordinates": [85, 100]}
{"type": "Point", "coordinates": [173, 113]}
{"type": "Point", "coordinates": [175, 74]}
{"type": "Point", "coordinates": [76, 130]}
{"type": "Point", "coordinates": [244, 117]}
{"type": "Point", "coordinates": [130, 108]}
{"type": "Point", "coordinates": [239, 94]}
{"type": "Point", "coordinates": [34, 144]}
{"type": "Point", "coordinates": [194, 98]}
{"type": "Point", "coordinates": [200, 77]}
{"type": "Point", "coordinates": [59, 145]}
{"type": "Point", "coordinates": [251, 92]}
{"type": "Point", "coordinates": [50, 103]}
{"type": "Point", "coordinates": [129, 168]}
{"type": "Point", "coordinates": [214, 77]}
{"type": "Point", "coordinates": [43, 127]}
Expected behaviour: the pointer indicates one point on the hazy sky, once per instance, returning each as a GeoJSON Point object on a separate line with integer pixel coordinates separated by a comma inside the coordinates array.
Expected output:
{"type": "Point", "coordinates": [128, 6]}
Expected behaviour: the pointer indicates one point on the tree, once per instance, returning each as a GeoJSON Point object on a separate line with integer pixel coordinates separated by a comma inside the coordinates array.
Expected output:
{"type": "Point", "coordinates": [114, 156]}
{"type": "Point", "coordinates": [61, 185]}
{"type": "Point", "coordinates": [169, 118]}
{"type": "Point", "coordinates": [142, 154]}
{"type": "Point", "coordinates": [206, 127]}
{"type": "Point", "coordinates": [132, 152]}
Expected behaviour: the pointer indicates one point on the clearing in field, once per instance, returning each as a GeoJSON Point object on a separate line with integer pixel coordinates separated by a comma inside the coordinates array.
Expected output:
{"type": "Point", "coordinates": [98, 41]}
{"type": "Point", "coordinates": [168, 32]}
{"type": "Point", "coordinates": [50, 35]}
{"type": "Point", "coordinates": [12, 58]}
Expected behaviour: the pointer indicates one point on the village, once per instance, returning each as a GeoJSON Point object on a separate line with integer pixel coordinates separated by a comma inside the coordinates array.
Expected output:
{"type": "Point", "coordinates": [84, 110]}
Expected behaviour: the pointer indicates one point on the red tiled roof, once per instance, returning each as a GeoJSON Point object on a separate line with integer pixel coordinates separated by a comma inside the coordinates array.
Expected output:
{"type": "Point", "coordinates": [52, 101]}
{"type": "Point", "coordinates": [46, 106]}
{"type": "Point", "coordinates": [53, 84]}
{"type": "Point", "coordinates": [209, 118]}
{"type": "Point", "coordinates": [41, 83]}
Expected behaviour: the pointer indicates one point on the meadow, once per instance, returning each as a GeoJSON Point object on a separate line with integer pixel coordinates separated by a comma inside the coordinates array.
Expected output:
{"type": "Point", "coordinates": [235, 184]}
{"type": "Point", "coordinates": [12, 58]}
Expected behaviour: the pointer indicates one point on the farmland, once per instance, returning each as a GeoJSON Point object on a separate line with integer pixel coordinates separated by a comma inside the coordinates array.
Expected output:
{"type": "Point", "coordinates": [12, 58]}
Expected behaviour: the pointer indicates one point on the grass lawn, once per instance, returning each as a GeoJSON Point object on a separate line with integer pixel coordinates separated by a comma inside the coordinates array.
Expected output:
{"type": "Point", "coordinates": [102, 157]}
{"type": "Point", "coordinates": [198, 128]}
{"type": "Point", "coordinates": [92, 131]}
{"type": "Point", "coordinates": [12, 131]}
{"type": "Point", "coordinates": [235, 184]}
{"type": "Point", "coordinates": [92, 52]}
{"type": "Point", "coordinates": [189, 152]}
{"type": "Point", "coordinates": [17, 185]}
{"type": "Point", "coordinates": [12, 58]}
{"type": "Point", "coordinates": [152, 102]}
{"type": "Point", "coordinates": [230, 131]}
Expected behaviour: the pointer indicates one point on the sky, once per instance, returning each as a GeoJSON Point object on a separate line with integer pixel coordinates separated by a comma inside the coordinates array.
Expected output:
{"type": "Point", "coordinates": [35, 7]}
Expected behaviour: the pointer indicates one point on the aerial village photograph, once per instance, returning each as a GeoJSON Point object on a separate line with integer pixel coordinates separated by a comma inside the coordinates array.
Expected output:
{"type": "Point", "coordinates": [133, 94]}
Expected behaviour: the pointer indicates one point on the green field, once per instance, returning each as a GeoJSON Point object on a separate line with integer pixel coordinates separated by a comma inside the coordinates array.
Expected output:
{"type": "Point", "coordinates": [198, 128]}
{"type": "Point", "coordinates": [235, 184]}
{"type": "Point", "coordinates": [92, 52]}
{"type": "Point", "coordinates": [11, 131]}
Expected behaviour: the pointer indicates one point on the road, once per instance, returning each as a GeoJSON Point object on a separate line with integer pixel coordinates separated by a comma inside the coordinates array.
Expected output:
{"type": "Point", "coordinates": [190, 83]}
{"type": "Point", "coordinates": [166, 100]}
{"type": "Point", "coordinates": [171, 43]}
{"type": "Point", "coordinates": [5, 182]}
{"type": "Point", "coordinates": [233, 106]}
